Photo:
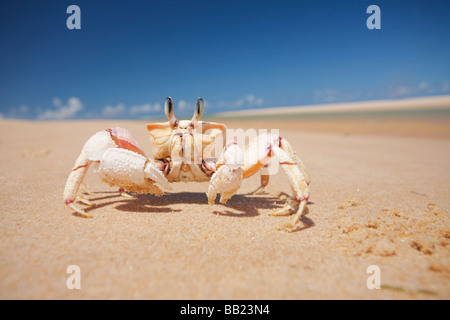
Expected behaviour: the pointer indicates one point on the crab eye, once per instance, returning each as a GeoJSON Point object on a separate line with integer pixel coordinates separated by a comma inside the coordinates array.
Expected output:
{"type": "Point", "coordinates": [199, 108]}
{"type": "Point", "coordinates": [168, 109]}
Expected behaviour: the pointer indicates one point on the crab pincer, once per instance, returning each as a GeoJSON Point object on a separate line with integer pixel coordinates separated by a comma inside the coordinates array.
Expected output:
{"type": "Point", "coordinates": [119, 161]}
{"type": "Point", "coordinates": [228, 177]}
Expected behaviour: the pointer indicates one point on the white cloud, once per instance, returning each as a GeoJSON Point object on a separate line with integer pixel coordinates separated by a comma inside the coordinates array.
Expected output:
{"type": "Point", "coordinates": [19, 112]}
{"type": "Point", "coordinates": [62, 112]}
{"type": "Point", "coordinates": [401, 91]}
{"type": "Point", "coordinates": [421, 88]}
{"type": "Point", "coordinates": [326, 95]}
{"type": "Point", "coordinates": [248, 101]}
{"type": "Point", "coordinates": [182, 105]}
{"type": "Point", "coordinates": [221, 104]}
{"type": "Point", "coordinates": [423, 85]}
{"type": "Point", "coordinates": [239, 103]}
{"type": "Point", "coordinates": [111, 111]}
{"type": "Point", "coordinates": [23, 109]}
{"type": "Point", "coordinates": [56, 102]}
{"type": "Point", "coordinates": [335, 95]}
{"type": "Point", "coordinates": [398, 91]}
{"type": "Point", "coordinates": [157, 107]}
{"type": "Point", "coordinates": [145, 108]}
{"type": "Point", "coordinates": [141, 108]}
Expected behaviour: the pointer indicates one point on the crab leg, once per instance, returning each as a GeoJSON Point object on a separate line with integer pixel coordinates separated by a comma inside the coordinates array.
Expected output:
{"type": "Point", "coordinates": [299, 186]}
{"type": "Point", "coordinates": [298, 179]}
{"type": "Point", "coordinates": [73, 183]}
{"type": "Point", "coordinates": [92, 151]}
{"type": "Point", "coordinates": [228, 177]}
{"type": "Point", "coordinates": [85, 189]}
{"type": "Point", "coordinates": [121, 162]}
{"type": "Point", "coordinates": [286, 147]}
{"type": "Point", "coordinates": [124, 193]}
{"type": "Point", "coordinates": [267, 146]}
{"type": "Point", "coordinates": [265, 177]}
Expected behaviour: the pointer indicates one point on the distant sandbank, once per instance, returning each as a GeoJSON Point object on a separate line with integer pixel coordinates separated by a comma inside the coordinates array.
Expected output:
{"type": "Point", "coordinates": [436, 103]}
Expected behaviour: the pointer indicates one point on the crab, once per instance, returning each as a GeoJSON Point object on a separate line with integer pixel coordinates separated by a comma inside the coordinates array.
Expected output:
{"type": "Point", "coordinates": [186, 150]}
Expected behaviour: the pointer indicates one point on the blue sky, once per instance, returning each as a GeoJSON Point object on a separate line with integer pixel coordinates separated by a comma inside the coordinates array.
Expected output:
{"type": "Point", "coordinates": [129, 55]}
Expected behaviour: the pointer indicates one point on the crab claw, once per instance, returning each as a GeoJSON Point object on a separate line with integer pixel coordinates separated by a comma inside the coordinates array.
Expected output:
{"type": "Point", "coordinates": [118, 160]}
{"type": "Point", "coordinates": [131, 171]}
{"type": "Point", "coordinates": [225, 181]}
{"type": "Point", "coordinates": [152, 172]}
{"type": "Point", "coordinates": [228, 178]}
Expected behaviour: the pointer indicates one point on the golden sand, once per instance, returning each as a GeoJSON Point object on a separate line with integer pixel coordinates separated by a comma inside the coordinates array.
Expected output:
{"type": "Point", "coordinates": [379, 196]}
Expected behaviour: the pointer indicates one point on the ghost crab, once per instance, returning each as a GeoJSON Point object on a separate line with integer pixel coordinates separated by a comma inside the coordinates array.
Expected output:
{"type": "Point", "coordinates": [184, 151]}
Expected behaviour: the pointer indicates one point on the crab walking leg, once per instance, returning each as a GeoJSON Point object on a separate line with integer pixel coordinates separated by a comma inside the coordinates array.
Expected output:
{"type": "Point", "coordinates": [267, 146]}
{"type": "Point", "coordinates": [124, 193]}
{"type": "Point", "coordinates": [92, 151]}
{"type": "Point", "coordinates": [257, 155]}
{"type": "Point", "coordinates": [286, 146]}
{"type": "Point", "coordinates": [228, 178]}
{"type": "Point", "coordinates": [299, 186]}
{"type": "Point", "coordinates": [85, 189]}
{"type": "Point", "coordinates": [265, 177]}
{"type": "Point", "coordinates": [73, 183]}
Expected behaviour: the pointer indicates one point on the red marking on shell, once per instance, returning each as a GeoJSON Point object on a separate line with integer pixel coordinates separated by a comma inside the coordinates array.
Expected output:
{"type": "Point", "coordinates": [278, 141]}
{"type": "Point", "coordinates": [301, 198]}
{"type": "Point", "coordinates": [165, 168]}
{"type": "Point", "coordinates": [229, 145]}
{"type": "Point", "coordinates": [209, 165]}
{"type": "Point", "coordinates": [82, 166]}
{"type": "Point", "coordinates": [288, 163]}
{"type": "Point", "coordinates": [123, 139]}
{"type": "Point", "coordinates": [68, 201]}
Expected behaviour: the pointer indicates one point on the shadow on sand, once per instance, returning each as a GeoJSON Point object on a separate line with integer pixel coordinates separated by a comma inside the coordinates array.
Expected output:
{"type": "Point", "coordinates": [239, 205]}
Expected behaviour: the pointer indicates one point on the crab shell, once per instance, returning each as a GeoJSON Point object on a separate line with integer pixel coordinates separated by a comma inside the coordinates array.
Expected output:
{"type": "Point", "coordinates": [186, 148]}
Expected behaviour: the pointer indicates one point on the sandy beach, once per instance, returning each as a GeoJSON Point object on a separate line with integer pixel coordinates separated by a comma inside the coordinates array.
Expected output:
{"type": "Point", "coordinates": [379, 196]}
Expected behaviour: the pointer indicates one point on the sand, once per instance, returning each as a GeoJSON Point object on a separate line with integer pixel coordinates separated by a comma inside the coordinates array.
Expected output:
{"type": "Point", "coordinates": [379, 196]}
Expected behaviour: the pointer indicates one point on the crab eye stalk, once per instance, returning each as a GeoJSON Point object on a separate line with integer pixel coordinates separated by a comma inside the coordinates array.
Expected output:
{"type": "Point", "coordinates": [198, 112]}
{"type": "Point", "coordinates": [168, 109]}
